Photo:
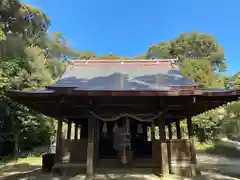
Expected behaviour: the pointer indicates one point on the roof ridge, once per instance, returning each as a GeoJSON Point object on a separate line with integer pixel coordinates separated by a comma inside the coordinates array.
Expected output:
{"type": "Point", "coordinates": [121, 60]}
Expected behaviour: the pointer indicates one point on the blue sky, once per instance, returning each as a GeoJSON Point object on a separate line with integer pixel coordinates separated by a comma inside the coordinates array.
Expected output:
{"type": "Point", "coordinates": [128, 27]}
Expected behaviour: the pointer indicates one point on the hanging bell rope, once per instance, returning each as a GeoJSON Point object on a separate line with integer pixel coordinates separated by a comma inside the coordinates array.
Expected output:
{"type": "Point", "coordinates": [128, 132]}
{"type": "Point", "coordinates": [104, 128]}
{"type": "Point", "coordinates": [115, 127]}
{"type": "Point", "coordinates": [140, 129]}
{"type": "Point", "coordinates": [126, 143]}
{"type": "Point", "coordinates": [127, 115]}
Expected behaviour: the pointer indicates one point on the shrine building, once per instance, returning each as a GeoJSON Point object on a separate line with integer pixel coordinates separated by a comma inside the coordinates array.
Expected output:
{"type": "Point", "coordinates": [126, 111]}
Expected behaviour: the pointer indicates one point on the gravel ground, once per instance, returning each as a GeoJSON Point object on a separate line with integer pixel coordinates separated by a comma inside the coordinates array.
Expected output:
{"type": "Point", "coordinates": [211, 167]}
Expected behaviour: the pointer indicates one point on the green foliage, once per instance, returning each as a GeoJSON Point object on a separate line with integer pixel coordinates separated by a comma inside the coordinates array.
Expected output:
{"type": "Point", "coordinates": [2, 35]}
{"type": "Point", "coordinates": [227, 81]}
{"type": "Point", "coordinates": [85, 55]}
{"type": "Point", "coordinates": [192, 45]}
{"type": "Point", "coordinates": [22, 19]}
{"type": "Point", "coordinates": [38, 73]}
{"type": "Point", "coordinates": [161, 50]}
{"type": "Point", "coordinates": [236, 80]}
{"type": "Point", "coordinates": [57, 47]}
{"type": "Point", "coordinates": [223, 121]}
{"type": "Point", "coordinates": [200, 71]}
{"type": "Point", "coordinates": [231, 121]}
{"type": "Point", "coordinates": [141, 56]}
{"type": "Point", "coordinates": [112, 56]}
{"type": "Point", "coordinates": [208, 124]}
{"type": "Point", "coordinates": [24, 65]}
{"type": "Point", "coordinates": [56, 67]}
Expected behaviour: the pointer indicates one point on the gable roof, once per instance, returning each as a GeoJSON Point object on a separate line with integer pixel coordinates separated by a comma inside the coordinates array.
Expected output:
{"type": "Point", "coordinates": [124, 75]}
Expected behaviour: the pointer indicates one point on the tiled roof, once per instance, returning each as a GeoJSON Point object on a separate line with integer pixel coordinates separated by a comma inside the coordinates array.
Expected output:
{"type": "Point", "coordinates": [128, 75]}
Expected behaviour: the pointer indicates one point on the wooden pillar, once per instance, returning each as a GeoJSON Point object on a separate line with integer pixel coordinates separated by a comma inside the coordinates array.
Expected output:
{"type": "Point", "coordinates": [145, 132]}
{"type": "Point", "coordinates": [79, 131]}
{"type": "Point", "coordinates": [76, 132]}
{"type": "Point", "coordinates": [192, 147]}
{"type": "Point", "coordinates": [179, 133]}
{"type": "Point", "coordinates": [96, 140]}
{"type": "Point", "coordinates": [58, 157]}
{"type": "Point", "coordinates": [90, 148]}
{"type": "Point", "coordinates": [69, 128]}
{"type": "Point", "coordinates": [164, 149]}
{"type": "Point", "coordinates": [84, 129]}
{"type": "Point", "coordinates": [169, 130]}
{"type": "Point", "coordinates": [153, 131]}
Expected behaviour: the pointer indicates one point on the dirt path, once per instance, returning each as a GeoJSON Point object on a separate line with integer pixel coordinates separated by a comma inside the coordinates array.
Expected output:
{"type": "Point", "coordinates": [215, 167]}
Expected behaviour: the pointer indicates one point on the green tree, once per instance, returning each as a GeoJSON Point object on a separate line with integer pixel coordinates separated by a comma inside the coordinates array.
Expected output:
{"type": "Point", "coordinates": [231, 121]}
{"type": "Point", "coordinates": [208, 125]}
{"type": "Point", "coordinates": [22, 19]}
{"type": "Point", "coordinates": [22, 65]}
{"type": "Point", "coordinates": [236, 80]}
{"type": "Point", "coordinates": [200, 71]}
{"type": "Point", "coordinates": [141, 56]}
{"type": "Point", "coordinates": [227, 81]}
{"type": "Point", "coordinates": [188, 46]}
{"type": "Point", "coordinates": [112, 56]}
{"type": "Point", "coordinates": [161, 50]}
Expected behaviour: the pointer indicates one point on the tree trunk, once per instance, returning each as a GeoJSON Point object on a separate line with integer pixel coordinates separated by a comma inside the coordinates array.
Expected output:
{"type": "Point", "coordinates": [16, 144]}
{"type": "Point", "coordinates": [15, 128]}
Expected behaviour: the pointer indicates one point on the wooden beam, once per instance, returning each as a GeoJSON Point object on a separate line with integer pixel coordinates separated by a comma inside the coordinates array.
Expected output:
{"type": "Point", "coordinates": [71, 111]}
{"type": "Point", "coordinates": [90, 148]}
{"type": "Point", "coordinates": [167, 117]}
{"type": "Point", "coordinates": [169, 130]}
{"type": "Point", "coordinates": [76, 132]}
{"type": "Point", "coordinates": [189, 126]}
{"type": "Point", "coordinates": [126, 100]}
{"type": "Point", "coordinates": [79, 131]}
{"type": "Point", "coordinates": [58, 158]}
{"type": "Point", "coordinates": [69, 129]}
{"type": "Point", "coordinates": [84, 129]}
{"type": "Point", "coordinates": [180, 108]}
{"type": "Point", "coordinates": [97, 131]}
{"type": "Point", "coordinates": [192, 147]}
{"type": "Point", "coordinates": [164, 149]}
{"type": "Point", "coordinates": [52, 101]}
{"type": "Point", "coordinates": [153, 131]}
{"type": "Point", "coordinates": [145, 132]}
{"type": "Point", "coordinates": [178, 128]}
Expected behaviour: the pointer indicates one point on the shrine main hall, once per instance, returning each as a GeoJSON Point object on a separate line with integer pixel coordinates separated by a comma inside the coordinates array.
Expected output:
{"type": "Point", "coordinates": [126, 111]}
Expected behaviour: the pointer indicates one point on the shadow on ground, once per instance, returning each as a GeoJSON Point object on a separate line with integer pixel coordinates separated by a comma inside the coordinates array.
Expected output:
{"type": "Point", "coordinates": [221, 149]}
{"type": "Point", "coordinates": [18, 171]}
{"type": "Point", "coordinates": [223, 162]}
{"type": "Point", "coordinates": [220, 172]}
{"type": "Point", "coordinates": [26, 171]}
